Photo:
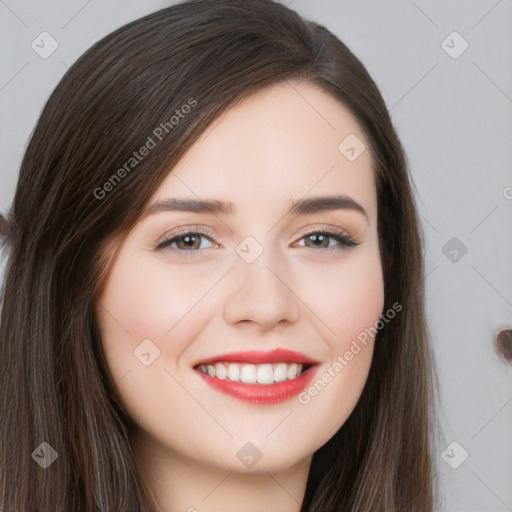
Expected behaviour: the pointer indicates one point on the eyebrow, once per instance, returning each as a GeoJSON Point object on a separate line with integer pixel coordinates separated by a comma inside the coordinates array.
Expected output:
{"type": "Point", "coordinates": [298, 207]}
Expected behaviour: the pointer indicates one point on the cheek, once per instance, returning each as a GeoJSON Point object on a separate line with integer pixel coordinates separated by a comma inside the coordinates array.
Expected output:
{"type": "Point", "coordinates": [143, 310]}
{"type": "Point", "coordinates": [349, 305]}
{"type": "Point", "coordinates": [347, 299]}
{"type": "Point", "coordinates": [360, 301]}
{"type": "Point", "coordinates": [145, 298]}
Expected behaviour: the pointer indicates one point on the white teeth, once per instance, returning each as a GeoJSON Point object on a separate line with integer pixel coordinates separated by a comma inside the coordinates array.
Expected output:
{"type": "Point", "coordinates": [248, 374]}
{"type": "Point", "coordinates": [220, 371]}
{"type": "Point", "coordinates": [253, 373]}
{"type": "Point", "coordinates": [234, 372]}
{"type": "Point", "coordinates": [292, 371]}
{"type": "Point", "coordinates": [265, 375]}
{"type": "Point", "coordinates": [280, 373]}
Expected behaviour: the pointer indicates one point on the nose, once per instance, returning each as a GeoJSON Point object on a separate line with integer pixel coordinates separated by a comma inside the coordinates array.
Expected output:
{"type": "Point", "coordinates": [261, 293]}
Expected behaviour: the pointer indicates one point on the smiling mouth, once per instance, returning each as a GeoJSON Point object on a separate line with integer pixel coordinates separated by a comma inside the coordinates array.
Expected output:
{"type": "Point", "coordinates": [258, 377]}
{"type": "Point", "coordinates": [248, 373]}
{"type": "Point", "coordinates": [264, 384]}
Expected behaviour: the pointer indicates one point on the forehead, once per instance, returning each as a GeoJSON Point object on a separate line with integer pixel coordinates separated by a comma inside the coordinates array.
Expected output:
{"type": "Point", "coordinates": [282, 143]}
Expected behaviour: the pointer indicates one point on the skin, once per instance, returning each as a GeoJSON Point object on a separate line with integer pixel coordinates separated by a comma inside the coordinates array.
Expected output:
{"type": "Point", "coordinates": [278, 145]}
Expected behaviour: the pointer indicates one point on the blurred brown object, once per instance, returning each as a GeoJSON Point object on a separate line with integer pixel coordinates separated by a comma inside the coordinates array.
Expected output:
{"type": "Point", "coordinates": [4, 227]}
{"type": "Point", "coordinates": [504, 344]}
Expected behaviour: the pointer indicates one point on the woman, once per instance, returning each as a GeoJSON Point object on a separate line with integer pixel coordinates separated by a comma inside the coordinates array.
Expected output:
{"type": "Point", "coordinates": [260, 369]}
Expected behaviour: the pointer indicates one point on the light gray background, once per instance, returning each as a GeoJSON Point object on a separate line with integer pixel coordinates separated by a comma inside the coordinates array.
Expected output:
{"type": "Point", "coordinates": [453, 116]}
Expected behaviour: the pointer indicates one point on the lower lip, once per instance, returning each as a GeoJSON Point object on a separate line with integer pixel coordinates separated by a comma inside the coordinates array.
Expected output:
{"type": "Point", "coordinates": [261, 393]}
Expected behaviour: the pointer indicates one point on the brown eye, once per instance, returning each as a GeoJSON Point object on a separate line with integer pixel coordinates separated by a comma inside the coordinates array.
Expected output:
{"type": "Point", "coordinates": [321, 240]}
{"type": "Point", "coordinates": [189, 241]}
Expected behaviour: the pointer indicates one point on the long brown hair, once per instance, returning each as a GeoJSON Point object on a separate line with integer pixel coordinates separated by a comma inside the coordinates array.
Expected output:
{"type": "Point", "coordinates": [73, 200]}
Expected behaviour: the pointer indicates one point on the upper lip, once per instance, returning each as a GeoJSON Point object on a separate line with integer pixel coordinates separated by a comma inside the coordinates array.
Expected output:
{"type": "Point", "coordinates": [277, 355]}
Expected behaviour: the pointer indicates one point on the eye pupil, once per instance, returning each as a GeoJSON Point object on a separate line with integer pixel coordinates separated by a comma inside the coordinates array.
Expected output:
{"type": "Point", "coordinates": [189, 240]}
{"type": "Point", "coordinates": [319, 238]}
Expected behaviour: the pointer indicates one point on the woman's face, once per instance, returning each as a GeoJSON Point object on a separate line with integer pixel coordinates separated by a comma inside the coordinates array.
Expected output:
{"type": "Point", "coordinates": [246, 282]}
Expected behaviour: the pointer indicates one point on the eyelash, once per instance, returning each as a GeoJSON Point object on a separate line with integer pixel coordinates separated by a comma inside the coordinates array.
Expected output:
{"type": "Point", "coordinates": [345, 240]}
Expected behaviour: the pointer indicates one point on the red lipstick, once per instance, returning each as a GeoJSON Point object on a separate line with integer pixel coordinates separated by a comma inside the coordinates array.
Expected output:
{"type": "Point", "coordinates": [277, 355]}
{"type": "Point", "coordinates": [260, 393]}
